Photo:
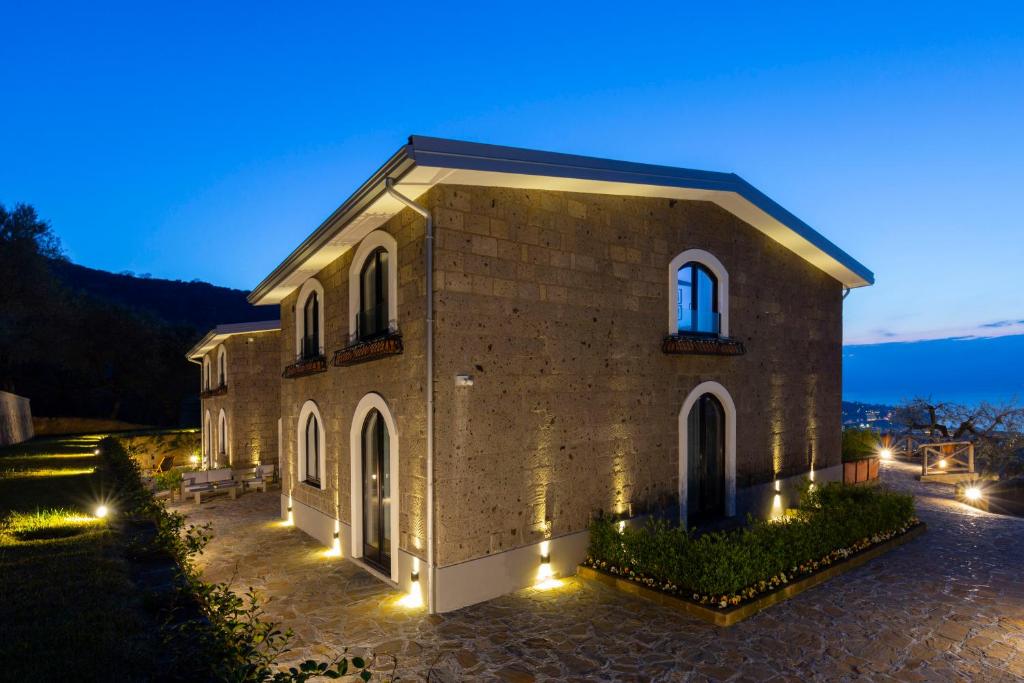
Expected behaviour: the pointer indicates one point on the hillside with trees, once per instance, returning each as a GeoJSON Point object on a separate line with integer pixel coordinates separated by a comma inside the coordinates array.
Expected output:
{"type": "Point", "coordinates": [88, 343]}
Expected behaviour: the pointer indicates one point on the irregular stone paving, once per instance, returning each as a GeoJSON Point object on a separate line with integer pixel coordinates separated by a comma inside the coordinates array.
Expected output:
{"type": "Point", "coordinates": [946, 606]}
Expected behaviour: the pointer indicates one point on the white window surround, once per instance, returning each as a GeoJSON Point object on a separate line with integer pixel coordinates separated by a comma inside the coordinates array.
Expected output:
{"type": "Point", "coordinates": [310, 408]}
{"type": "Point", "coordinates": [222, 357]}
{"type": "Point", "coordinates": [310, 285]}
{"type": "Point", "coordinates": [717, 269]}
{"type": "Point", "coordinates": [375, 240]}
{"type": "Point", "coordinates": [223, 437]}
{"type": "Point", "coordinates": [206, 373]}
{"type": "Point", "coordinates": [719, 392]}
{"type": "Point", "coordinates": [366, 404]}
{"type": "Point", "coordinates": [207, 440]}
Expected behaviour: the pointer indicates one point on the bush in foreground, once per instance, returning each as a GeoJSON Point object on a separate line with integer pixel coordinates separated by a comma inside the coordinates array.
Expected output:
{"type": "Point", "coordinates": [222, 635]}
{"type": "Point", "coordinates": [725, 568]}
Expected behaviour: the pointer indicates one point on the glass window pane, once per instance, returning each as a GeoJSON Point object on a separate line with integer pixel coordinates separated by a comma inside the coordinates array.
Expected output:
{"type": "Point", "coordinates": [685, 298]}
{"type": "Point", "coordinates": [371, 501]}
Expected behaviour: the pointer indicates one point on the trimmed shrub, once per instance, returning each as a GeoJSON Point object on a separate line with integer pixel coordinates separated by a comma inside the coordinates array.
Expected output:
{"type": "Point", "coordinates": [859, 444]}
{"type": "Point", "coordinates": [725, 568]}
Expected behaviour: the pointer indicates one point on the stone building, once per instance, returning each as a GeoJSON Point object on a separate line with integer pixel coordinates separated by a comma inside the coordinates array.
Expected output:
{"type": "Point", "coordinates": [240, 391]}
{"type": "Point", "coordinates": [485, 346]}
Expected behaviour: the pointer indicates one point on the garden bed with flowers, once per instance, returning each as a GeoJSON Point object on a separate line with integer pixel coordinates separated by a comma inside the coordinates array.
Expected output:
{"type": "Point", "coordinates": [727, 576]}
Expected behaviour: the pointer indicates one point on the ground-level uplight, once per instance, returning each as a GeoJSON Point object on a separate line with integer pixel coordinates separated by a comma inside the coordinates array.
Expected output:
{"type": "Point", "coordinates": [885, 454]}
{"type": "Point", "coordinates": [101, 512]}
{"type": "Point", "coordinates": [96, 452]}
{"type": "Point", "coordinates": [414, 598]}
{"type": "Point", "coordinates": [972, 493]}
{"type": "Point", "coordinates": [545, 574]}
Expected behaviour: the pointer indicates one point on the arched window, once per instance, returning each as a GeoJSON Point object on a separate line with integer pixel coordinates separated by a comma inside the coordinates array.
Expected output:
{"type": "Point", "coordinates": [206, 373]}
{"type": "Point", "coordinates": [698, 295]}
{"type": "Point", "coordinates": [222, 367]}
{"type": "Point", "coordinates": [309, 321]}
{"type": "Point", "coordinates": [373, 285]}
{"type": "Point", "coordinates": [223, 455]}
{"type": "Point", "coordinates": [207, 439]}
{"type": "Point", "coordinates": [697, 300]}
{"type": "Point", "coordinates": [312, 451]}
{"type": "Point", "coordinates": [311, 326]}
{"type": "Point", "coordinates": [373, 296]}
{"type": "Point", "coordinates": [311, 446]}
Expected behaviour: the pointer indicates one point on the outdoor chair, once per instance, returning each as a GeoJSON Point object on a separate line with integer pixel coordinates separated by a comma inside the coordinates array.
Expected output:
{"type": "Point", "coordinates": [256, 477]}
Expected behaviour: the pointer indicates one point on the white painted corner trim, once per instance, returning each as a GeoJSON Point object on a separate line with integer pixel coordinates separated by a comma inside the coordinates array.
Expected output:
{"type": "Point", "coordinates": [366, 404]}
{"type": "Point", "coordinates": [310, 408]}
{"type": "Point", "coordinates": [378, 239]}
{"type": "Point", "coordinates": [719, 392]}
{"type": "Point", "coordinates": [709, 260]}
{"type": "Point", "coordinates": [309, 286]}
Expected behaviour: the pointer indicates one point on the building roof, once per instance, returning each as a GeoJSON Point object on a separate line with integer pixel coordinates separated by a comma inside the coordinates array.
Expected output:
{"type": "Point", "coordinates": [425, 162]}
{"type": "Point", "coordinates": [218, 334]}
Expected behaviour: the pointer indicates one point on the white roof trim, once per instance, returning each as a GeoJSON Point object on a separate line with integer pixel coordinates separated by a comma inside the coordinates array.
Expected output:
{"type": "Point", "coordinates": [426, 162]}
{"type": "Point", "coordinates": [218, 334]}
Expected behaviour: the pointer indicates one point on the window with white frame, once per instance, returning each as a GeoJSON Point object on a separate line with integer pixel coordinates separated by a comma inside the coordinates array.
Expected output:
{"type": "Point", "coordinates": [698, 295]}
{"type": "Point", "coordinates": [222, 367]}
{"type": "Point", "coordinates": [373, 288]}
{"type": "Point", "coordinates": [309, 321]}
{"type": "Point", "coordinates": [311, 446]}
{"type": "Point", "coordinates": [206, 373]}
{"type": "Point", "coordinates": [222, 438]}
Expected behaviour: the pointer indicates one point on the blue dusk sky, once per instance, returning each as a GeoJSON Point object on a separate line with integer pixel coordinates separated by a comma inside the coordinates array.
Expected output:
{"type": "Point", "coordinates": [205, 140]}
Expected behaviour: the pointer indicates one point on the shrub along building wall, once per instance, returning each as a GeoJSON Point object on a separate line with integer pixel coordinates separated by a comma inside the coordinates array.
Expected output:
{"type": "Point", "coordinates": [557, 303]}
{"type": "Point", "coordinates": [252, 401]}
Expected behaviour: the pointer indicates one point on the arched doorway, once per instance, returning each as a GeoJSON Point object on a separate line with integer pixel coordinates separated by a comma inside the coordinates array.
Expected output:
{"type": "Point", "coordinates": [705, 455]}
{"type": "Point", "coordinates": [376, 491]}
{"type": "Point", "coordinates": [374, 444]}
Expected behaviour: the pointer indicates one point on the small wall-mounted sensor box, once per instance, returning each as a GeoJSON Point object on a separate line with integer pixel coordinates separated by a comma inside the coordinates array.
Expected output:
{"type": "Point", "coordinates": [463, 380]}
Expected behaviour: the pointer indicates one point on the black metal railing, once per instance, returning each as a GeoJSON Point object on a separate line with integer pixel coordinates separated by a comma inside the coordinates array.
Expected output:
{"type": "Point", "coordinates": [692, 321]}
{"type": "Point", "coordinates": [372, 323]}
{"type": "Point", "coordinates": [309, 348]}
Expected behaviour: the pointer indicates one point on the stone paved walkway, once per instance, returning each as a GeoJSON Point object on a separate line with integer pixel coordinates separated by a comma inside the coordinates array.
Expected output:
{"type": "Point", "coordinates": [947, 606]}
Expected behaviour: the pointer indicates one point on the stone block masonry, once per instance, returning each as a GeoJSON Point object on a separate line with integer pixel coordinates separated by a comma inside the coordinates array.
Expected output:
{"type": "Point", "coordinates": [557, 304]}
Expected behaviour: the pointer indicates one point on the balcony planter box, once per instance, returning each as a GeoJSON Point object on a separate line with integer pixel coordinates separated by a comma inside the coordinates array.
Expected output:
{"type": "Point", "coordinates": [216, 391]}
{"type": "Point", "coordinates": [732, 615]}
{"type": "Point", "coordinates": [361, 352]}
{"type": "Point", "coordinates": [860, 471]}
{"type": "Point", "coordinates": [682, 344]}
{"type": "Point", "coordinates": [305, 367]}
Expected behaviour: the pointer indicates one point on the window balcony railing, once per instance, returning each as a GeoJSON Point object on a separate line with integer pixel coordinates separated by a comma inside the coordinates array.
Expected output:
{"type": "Point", "coordinates": [218, 390]}
{"type": "Point", "coordinates": [309, 349]}
{"type": "Point", "coordinates": [308, 361]}
{"type": "Point", "coordinates": [372, 323]}
{"type": "Point", "coordinates": [692, 321]}
{"type": "Point", "coordinates": [370, 342]}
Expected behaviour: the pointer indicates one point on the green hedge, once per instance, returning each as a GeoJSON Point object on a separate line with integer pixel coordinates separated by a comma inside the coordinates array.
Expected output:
{"type": "Point", "coordinates": [859, 444]}
{"type": "Point", "coordinates": [726, 568]}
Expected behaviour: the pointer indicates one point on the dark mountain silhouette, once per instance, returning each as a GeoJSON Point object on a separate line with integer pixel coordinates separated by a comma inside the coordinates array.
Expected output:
{"type": "Point", "coordinates": [193, 304]}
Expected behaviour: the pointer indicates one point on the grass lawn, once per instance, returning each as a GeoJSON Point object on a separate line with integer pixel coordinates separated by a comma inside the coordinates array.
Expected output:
{"type": "Point", "coordinates": [68, 607]}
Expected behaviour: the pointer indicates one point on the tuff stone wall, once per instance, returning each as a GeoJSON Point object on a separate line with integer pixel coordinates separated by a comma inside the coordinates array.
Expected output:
{"type": "Point", "coordinates": [557, 303]}
{"type": "Point", "coordinates": [400, 380]}
{"type": "Point", "coordinates": [252, 403]}
{"type": "Point", "coordinates": [15, 419]}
